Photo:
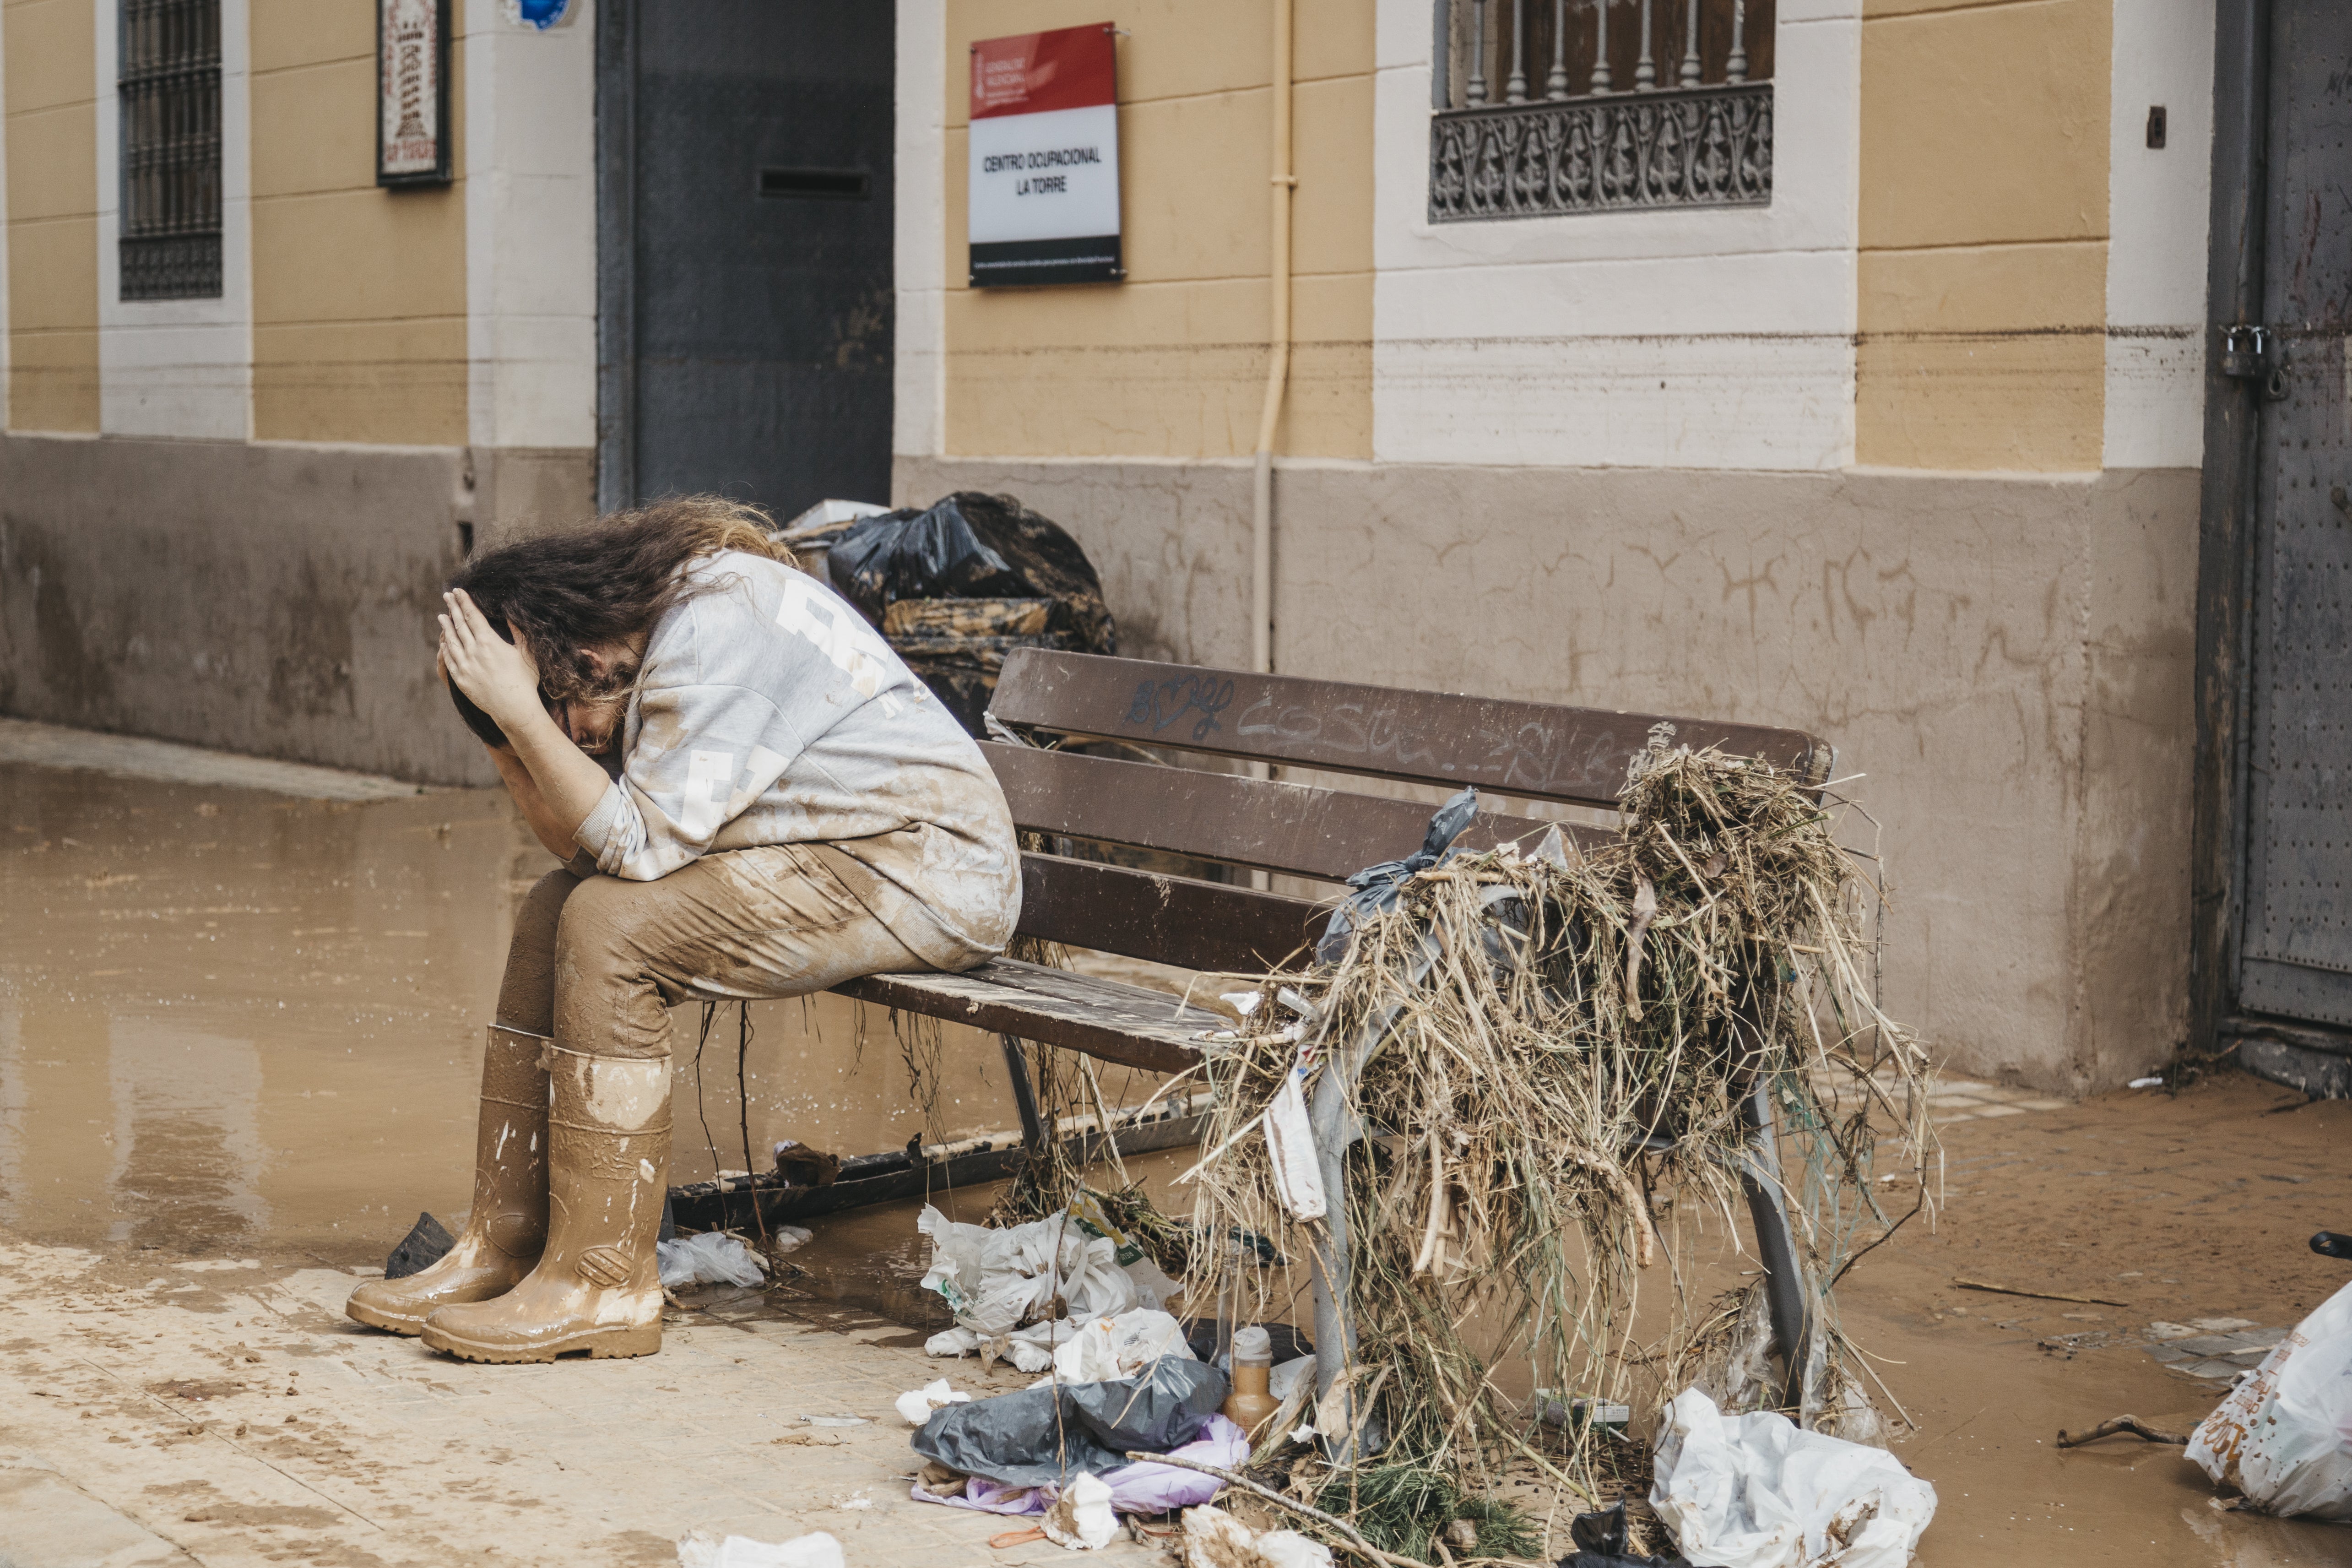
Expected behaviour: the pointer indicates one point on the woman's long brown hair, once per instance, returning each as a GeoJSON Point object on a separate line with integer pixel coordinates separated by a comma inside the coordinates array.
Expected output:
{"type": "Point", "coordinates": [594, 587]}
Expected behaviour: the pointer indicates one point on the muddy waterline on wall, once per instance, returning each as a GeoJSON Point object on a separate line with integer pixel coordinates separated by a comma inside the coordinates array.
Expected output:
{"type": "Point", "coordinates": [233, 1020]}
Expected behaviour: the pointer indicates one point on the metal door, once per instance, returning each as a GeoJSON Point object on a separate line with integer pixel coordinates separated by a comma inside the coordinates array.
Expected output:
{"type": "Point", "coordinates": [744, 234]}
{"type": "Point", "coordinates": [2296, 946]}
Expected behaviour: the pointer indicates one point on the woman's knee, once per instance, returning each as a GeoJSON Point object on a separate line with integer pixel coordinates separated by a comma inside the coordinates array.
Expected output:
{"type": "Point", "coordinates": [607, 997]}
{"type": "Point", "coordinates": [526, 993]}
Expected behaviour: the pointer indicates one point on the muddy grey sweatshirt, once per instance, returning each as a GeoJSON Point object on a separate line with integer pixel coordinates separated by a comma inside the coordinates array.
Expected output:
{"type": "Point", "coordinates": [766, 711]}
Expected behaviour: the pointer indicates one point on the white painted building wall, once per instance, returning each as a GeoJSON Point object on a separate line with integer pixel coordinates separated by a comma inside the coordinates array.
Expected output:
{"type": "Point", "coordinates": [530, 228]}
{"type": "Point", "coordinates": [918, 175]}
{"type": "Point", "coordinates": [1699, 339]}
{"type": "Point", "coordinates": [177, 367]}
{"type": "Point", "coordinates": [2158, 215]}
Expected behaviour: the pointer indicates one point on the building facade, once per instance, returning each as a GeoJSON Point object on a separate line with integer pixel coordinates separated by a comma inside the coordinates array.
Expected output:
{"type": "Point", "coordinates": [1845, 364]}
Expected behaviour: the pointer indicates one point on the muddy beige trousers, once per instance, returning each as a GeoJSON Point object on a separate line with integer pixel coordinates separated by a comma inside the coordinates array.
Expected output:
{"type": "Point", "coordinates": [596, 963]}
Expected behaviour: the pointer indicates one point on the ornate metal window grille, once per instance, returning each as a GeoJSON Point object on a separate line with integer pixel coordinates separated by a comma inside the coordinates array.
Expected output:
{"type": "Point", "coordinates": [1551, 106]}
{"type": "Point", "coordinates": [170, 89]}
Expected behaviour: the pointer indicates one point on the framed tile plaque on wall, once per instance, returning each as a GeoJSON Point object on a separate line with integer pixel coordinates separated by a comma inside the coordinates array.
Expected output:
{"type": "Point", "coordinates": [412, 89]}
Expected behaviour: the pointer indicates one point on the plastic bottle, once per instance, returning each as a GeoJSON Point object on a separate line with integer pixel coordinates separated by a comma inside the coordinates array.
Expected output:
{"type": "Point", "coordinates": [1251, 1404]}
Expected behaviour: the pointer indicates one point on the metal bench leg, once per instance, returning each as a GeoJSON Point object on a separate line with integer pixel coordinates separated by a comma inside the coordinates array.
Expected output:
{"type": "Point", "coordinates": [1024, 1095]}
{"type": "Point", "coordinates": [1335, 1337]}
{"type": "Point", "coordinates": [1786, 1294]}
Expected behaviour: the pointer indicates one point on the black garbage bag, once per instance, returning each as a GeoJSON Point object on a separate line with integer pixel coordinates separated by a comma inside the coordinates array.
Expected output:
{"type": "Point", "coordinates": [1048, 1434]}
{"type": "Point", "coordinates": [1376, 886]}
{"type": "Point", "coordinates": [1599, 1540]}
{"type": "Point", "coordinates": [973, 546]}
{"type": "Point", "coordinates": [428, 1242]}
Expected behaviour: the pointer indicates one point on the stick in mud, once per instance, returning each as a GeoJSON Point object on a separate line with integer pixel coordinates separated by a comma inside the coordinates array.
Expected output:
{"type": "Point", "coordinates": [2036, 1295]}
{"type": "Point", "coordinates": [2121, 1423]}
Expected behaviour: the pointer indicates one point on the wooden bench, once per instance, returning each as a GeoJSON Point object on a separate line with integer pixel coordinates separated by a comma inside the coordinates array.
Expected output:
{"type": "Point", "coordinates": [1532, 751]}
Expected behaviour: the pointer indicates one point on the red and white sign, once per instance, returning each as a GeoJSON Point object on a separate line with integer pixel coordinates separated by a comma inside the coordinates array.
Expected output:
{"type": "Point", "coordinates": [1044, 158]}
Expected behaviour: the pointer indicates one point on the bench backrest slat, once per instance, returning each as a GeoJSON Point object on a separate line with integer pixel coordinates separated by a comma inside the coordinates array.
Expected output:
{"type": "Point", "coordinates": [1533, 749]}
{"type": "Point", "coordinates": [1168, 920]}
{"type": "Point", "coordinates": [1301, 829]}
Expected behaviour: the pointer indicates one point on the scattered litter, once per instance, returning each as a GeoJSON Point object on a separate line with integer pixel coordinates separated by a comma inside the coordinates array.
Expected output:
{"type": "Point", "coordinates": [855, 1500]}
{"type": "Point", "coordinates": [1284, 1379]}
{"type": "Point", "coordinates": [713, 1257]}
{"type": "Point", "coordinates": [1044, 1435]}
{"type": "Point", "coordinates": [802, 1166]}
{"type": "Point", "coordinates": [1215, 1538]}
{"type": "Point", "coordinates": [1117, 1347]}
{"type": "Point", "coordinates": [2036, 1295]}
{"type": "Point", "coordinates": [815, 1550]}
{"type": "Point", "coordinates": [1758, 1492]}
{"type": "Point", "coordinates": [211, 1265]}
{"type": "Point", "coordinates": [1603, 1540]}
{"type": "Point", "coordinates": [1081, 1518]}
{"type": "Point", "coordinates": [1022, 1290]}
{"type": "Point", "coordinates": [2148, 1083]}
{"type": "Point", "coordinates": [1252, 1402]}
{"type": "Point", "coordinates": [2121, 1423]}
{"type": "Point", "coordinates": [2284, 1435]}
{"type": "Point", "coordinates": [427, 1243]}
{"type": "Point", "coordinates": [1378, 888]}
{"type": "Point", "coordinates": [979, 574]}
{"type": "Point", "coordinates": [834, 1420]}
{"type": "Point", "coordinates": [916, 1405]}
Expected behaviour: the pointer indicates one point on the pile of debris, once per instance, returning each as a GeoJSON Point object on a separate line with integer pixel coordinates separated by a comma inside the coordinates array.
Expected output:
{"type": "Point", "coordinates": [1547, 1062]}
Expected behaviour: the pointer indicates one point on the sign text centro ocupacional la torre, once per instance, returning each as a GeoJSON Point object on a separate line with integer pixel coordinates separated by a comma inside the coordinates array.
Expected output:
{"type": "Point", "coordinates": [1044, 159]}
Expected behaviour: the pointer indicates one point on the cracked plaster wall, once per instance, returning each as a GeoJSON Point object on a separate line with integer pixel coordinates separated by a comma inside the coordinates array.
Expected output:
{"type": "Point", "coordinates": [2007, 659]}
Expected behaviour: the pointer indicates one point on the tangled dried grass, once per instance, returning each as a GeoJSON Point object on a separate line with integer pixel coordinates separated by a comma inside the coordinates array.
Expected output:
{"type": "Point", "coordinates": [1549, 1049]}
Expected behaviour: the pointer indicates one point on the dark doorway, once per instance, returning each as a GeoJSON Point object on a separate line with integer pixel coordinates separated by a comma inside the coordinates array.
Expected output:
{"type": "Point", "coordinates": [744, 250]}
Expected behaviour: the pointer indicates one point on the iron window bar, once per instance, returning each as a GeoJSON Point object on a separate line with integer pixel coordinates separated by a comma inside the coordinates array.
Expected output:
{"type": "Point", "coordinates": [169, 88]}
{"type": "Point", "coordinates": [1694, 129]}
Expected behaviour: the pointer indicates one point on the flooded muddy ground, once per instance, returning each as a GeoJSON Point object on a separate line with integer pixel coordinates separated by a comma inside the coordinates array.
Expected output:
{"type": "Point", "coordinates": [232, 1018]}
{"type": "Point", "coordinates": [239, 1024]}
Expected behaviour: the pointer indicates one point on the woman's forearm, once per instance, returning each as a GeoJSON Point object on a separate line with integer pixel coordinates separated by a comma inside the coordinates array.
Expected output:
{"type": "Point", "coordinates": [569, 782]}
{"type": "Point", "coordinates": [524, 790]}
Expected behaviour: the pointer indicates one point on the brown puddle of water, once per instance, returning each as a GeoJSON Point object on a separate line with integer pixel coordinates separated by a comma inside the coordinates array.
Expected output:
{"type": "Point", "coordinates": [236, 1022]}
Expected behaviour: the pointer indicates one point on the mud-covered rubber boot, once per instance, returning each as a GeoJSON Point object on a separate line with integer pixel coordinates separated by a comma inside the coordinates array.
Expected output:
{"type": "Point", "coordinates": [507, 1227]}
{"type": "Point", "coordinates": [597, 1287]}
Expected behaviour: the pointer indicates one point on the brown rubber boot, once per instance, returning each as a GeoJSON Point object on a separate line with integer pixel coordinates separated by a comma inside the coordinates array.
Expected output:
{"type": "Point", "coordinates": [598, 1286]}
{"type": "Point", "coordinates": [506, 1226]}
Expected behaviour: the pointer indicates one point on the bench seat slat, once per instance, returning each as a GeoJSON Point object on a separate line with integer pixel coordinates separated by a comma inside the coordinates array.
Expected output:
{"type": "Point", "coordinates": [1301, 829]}
{"type": "Point", "coordinates": [1534, 750]}
{"type": "Point", "coordinates": [1169, 920]}
{"type": "Point", "coordinates": [1108, 1020]}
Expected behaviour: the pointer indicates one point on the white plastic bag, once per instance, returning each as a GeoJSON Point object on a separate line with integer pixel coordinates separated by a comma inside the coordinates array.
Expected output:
{"type": "Point", "coordinates": [1081, 1518]}
{"type": "Point", "coordinates": [1760, 1491]}
{"type": "Point", "coordinates": [2284, 1436]}
{"type": "Point", "coordinates": [814, 1550]}
{"type": "Point", "coordinates": [915, 1405]}
{"type": "Point", "coordinates": [709, 1258]}
{"type": "Point", "coordinates": [1002, 1284]}
{"type": "Point", "coordinates": [1117, 1347]}
{"type": "Point", "coordinates": [1290, 1149]}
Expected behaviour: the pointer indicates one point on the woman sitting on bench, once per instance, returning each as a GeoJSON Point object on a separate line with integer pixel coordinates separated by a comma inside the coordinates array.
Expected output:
{"type": "Point", "coordinates": [753, 798]}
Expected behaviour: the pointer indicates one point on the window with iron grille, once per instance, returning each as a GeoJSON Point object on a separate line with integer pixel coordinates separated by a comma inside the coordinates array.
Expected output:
{"type": "Point", "coordinates": [1550, 107]}
{"type": "Point", "coordinates": [170, 87]}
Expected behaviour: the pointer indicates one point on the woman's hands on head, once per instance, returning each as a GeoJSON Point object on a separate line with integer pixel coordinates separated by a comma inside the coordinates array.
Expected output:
{"type": "Point", "coordinates": [496, 676]}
